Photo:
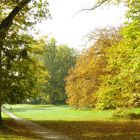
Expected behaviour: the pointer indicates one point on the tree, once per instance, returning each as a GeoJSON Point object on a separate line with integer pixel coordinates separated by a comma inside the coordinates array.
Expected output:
{"type": "Point", "coordinates": [21, 15]}
{"type": "Point", "coordinates": [121, 86]}
{"type": "Point", "coordinates": [24, 76]}
{"type": "Point", "coordinates": [38, 74]}
{"type": "Point", "coordinates": [58, 60]}
{"type": "Point", "coordinates": [84, 79]}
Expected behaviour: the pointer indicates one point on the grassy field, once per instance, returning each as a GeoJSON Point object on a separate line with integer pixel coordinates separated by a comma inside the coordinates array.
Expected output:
{"type": "Point", "coordinates": [81, 124]}
{"type": "Point", "coordinates": [61, 112]}
{"type": "Point", "coordinates": [64, 113]}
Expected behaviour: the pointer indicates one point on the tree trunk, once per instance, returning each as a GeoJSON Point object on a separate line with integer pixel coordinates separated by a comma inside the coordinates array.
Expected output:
{"type": "Point", "coordinates": [1, 122]}
{"type": "Point", "coordinates": [1, 86]}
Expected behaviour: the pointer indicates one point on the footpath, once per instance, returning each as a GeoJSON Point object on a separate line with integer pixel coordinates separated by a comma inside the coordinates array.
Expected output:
{"type": "Point", "coordinates": [36, 129]}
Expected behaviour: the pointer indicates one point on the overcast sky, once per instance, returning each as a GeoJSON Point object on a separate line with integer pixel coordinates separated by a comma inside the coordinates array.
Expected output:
{"type": "Point", "coordinates": [69, 29]}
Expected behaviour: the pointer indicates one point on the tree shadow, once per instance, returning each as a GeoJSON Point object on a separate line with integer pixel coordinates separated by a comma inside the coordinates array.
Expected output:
{"type": "Point", "coordinates": [24, 109]}
{"type": "Point", "coordinates": [95, 130]}
{"type": "Point", "coordinates": [14, 131]}
{"type": "Point", "coordinates": [134, 116]}
{"type": "Point", "coordinates": [27, 109]}
{"type": "Point", "coordinates": [79, 130]}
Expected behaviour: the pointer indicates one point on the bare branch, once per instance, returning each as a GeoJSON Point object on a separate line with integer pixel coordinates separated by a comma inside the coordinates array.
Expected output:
{"type": "Point", "coordinates": [92, 8]}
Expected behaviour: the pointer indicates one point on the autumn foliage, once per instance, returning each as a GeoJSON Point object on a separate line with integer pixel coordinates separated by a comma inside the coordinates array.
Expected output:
{"type": "Point", "coordinates": [107, 75]}
{"type": "Point", "coordinates": [85, 78]}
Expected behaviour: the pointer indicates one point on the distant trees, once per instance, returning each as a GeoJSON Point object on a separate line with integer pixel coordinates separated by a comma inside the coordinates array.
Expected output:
{"type": "Point", "coordinates": [58, 59]}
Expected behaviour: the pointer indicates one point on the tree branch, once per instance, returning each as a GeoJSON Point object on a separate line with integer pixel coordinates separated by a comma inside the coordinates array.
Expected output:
{"type": "Point", "coordinates": [92, 8]}
{"type": "Point", "coordinates": [7, 22]}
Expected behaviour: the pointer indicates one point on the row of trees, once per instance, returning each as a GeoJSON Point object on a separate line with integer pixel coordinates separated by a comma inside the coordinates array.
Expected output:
{"type": "Point", "coordinates": [107, 75]}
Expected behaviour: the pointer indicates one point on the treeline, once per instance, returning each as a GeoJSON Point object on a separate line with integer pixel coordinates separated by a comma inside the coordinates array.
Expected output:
{"type": "Point", "coordinates": [107, 75]}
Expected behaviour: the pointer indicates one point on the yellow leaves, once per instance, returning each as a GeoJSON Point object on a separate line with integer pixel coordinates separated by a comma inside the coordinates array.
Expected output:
{"type": "Point", "coordinates": [85, 79]}
{"type": "Point", "coordinates": [38, 47]}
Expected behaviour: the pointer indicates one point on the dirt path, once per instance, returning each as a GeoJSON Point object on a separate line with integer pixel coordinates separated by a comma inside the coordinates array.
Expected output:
{"type": "Point", "coordinates": [38, 130]}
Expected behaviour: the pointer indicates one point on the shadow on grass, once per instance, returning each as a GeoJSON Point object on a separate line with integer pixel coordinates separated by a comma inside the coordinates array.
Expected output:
{"type": "Point", "coordinates": [44, 107]}
{"type": "Point", "coordinates": [28, 109]}
{"type": "Point", "coordinates": [96, 130]}
{"type": "Point", "coordinates": [134, 116]}
{"type": "Point", "coordinates": [14, 131]}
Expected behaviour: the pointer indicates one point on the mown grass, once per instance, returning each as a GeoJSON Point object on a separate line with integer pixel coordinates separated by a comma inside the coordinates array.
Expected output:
{"type": "Point", "coordinates": [63, 113]}
{"type": "Point", "coordinates": [81, 124]}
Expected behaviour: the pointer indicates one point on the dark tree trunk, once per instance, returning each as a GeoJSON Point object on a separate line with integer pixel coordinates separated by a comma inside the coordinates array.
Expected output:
{"type": "Point", "coordinates": [1, 122]}
{"type": "Point", "coordinates": [0, 87]}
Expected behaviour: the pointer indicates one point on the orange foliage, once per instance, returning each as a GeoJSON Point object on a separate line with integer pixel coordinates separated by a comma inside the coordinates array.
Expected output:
{"type": "Point", "coordinates": [84, 79]}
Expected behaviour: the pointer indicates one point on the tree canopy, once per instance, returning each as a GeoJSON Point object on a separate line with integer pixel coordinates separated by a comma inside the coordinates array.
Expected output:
{"type": "Point", "coordinates": [58, 60]}
{"type": "Point", "coordinates": [84, 79]}
{"type": "Point", "coordinates": [16, 17]}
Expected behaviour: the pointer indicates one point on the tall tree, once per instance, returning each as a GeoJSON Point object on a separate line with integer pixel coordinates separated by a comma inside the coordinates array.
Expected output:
{"type": "Point", "coordinates": [58, 60]}
{"type": "Point", "coordinates": [84, 79]}
{"type": "Point", "coordinates": [121, 86]}
{"type": "Point", "coordinates": [19, 14]}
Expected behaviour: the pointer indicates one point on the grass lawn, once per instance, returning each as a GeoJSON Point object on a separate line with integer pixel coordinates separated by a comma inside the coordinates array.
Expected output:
{"type": "Point", "coordinates": [64, 113]}
{"type": "Point", "coordinates": [80, 124]}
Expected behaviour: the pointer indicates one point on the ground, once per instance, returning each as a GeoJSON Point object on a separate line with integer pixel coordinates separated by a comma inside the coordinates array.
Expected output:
{"type": "Point", "coordinates": [14, 131]}
{"type": "Point", "coordinates": [78, 124]}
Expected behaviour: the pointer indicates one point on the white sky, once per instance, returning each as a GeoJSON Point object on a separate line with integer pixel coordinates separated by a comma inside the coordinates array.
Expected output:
{"type": "Point", "coordinates": [70, 30]}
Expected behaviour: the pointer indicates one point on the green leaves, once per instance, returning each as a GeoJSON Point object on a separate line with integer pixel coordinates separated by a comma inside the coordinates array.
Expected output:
{"type": "Point", "coordinates": [24, 75]}
{"type": "Point", "coordinates": [58, 60]}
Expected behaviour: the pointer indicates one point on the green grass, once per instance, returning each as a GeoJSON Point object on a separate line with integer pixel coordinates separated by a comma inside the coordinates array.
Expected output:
{"type": "Point", "coordinates": [81, 124]}
{"type": "Point", "coordinates": [63, 113]}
